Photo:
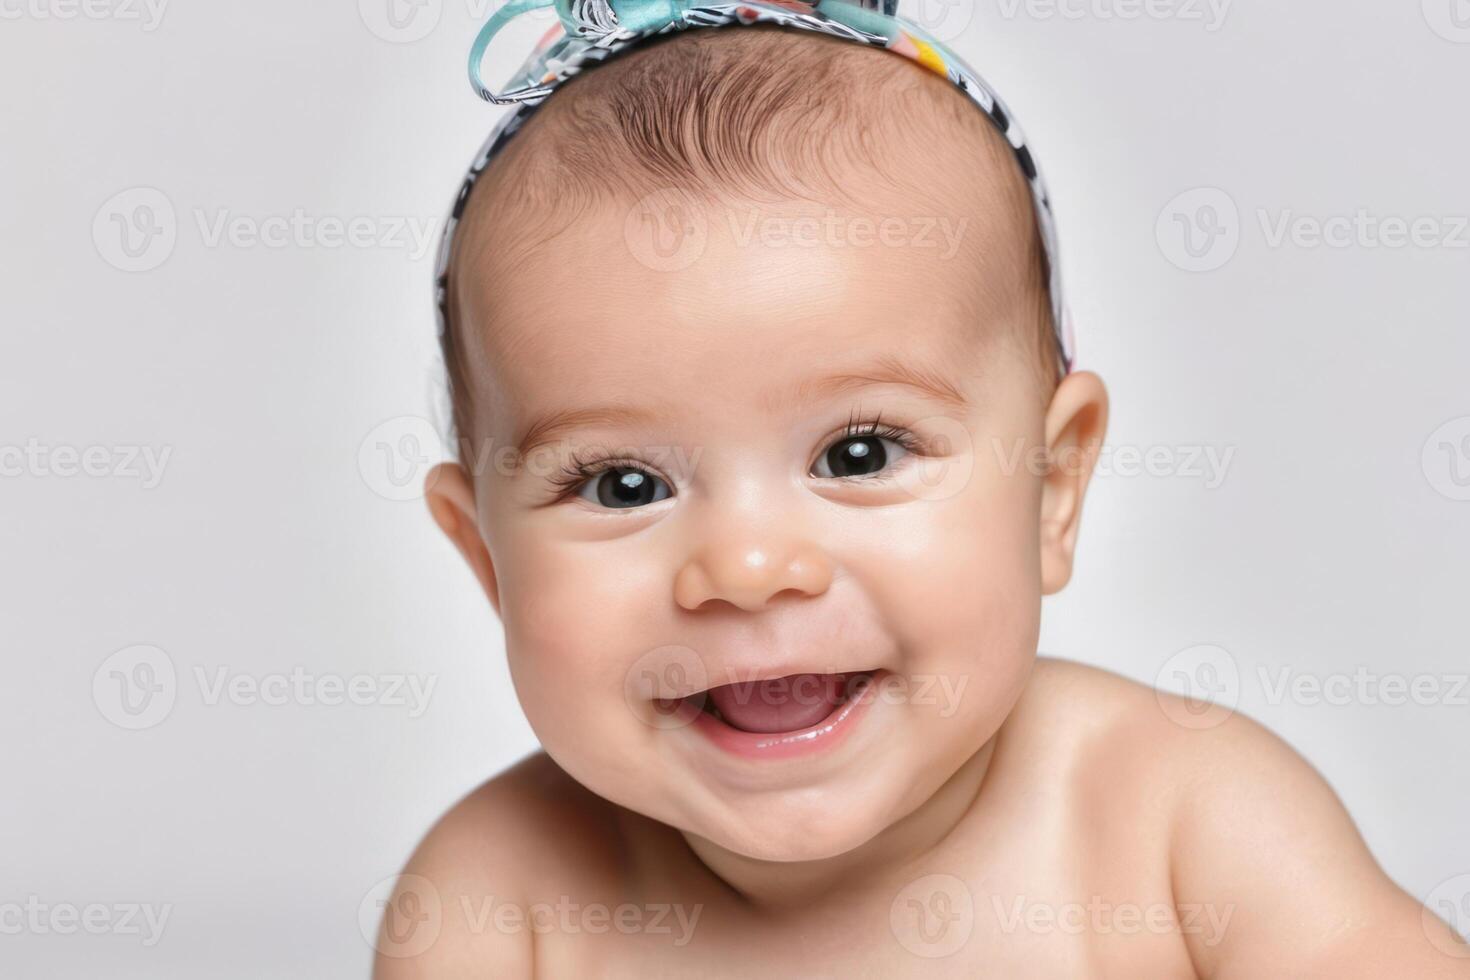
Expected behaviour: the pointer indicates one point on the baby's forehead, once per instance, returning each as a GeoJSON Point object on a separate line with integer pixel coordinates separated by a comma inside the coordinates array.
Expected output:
{"type": "Point", "coordinates": [849, 183]}
{"type": "Point", "coordinates": [770, 294]}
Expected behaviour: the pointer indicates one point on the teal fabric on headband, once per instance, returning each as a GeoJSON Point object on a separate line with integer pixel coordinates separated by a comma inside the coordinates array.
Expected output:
{"type": "Point", "coordinates": [588, 32]}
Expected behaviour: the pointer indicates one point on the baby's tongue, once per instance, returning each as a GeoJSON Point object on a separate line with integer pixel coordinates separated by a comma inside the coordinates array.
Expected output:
{"type": "Point", "coordinates": [783, 704]}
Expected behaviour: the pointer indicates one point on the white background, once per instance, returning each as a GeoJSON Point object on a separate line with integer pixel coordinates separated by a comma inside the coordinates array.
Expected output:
{"type": "Point", "coordinates": [1332, 544]}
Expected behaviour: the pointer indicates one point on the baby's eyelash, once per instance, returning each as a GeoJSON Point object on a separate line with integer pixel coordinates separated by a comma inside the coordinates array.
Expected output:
{"type": "Point", "coordinates": [876, 427]}
{"type": "Point", "coordinates": [582, 467]}
{"type": "Point", "coordinates": [579, 469]}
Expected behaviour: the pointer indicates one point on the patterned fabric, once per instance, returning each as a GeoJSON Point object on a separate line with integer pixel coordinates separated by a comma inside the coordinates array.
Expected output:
{"type": "Point", "coordinates": [590, 31]}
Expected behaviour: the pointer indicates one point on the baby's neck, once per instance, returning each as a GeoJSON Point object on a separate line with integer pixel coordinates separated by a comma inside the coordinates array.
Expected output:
{"type": "Point", "coordinates": [772, 885]}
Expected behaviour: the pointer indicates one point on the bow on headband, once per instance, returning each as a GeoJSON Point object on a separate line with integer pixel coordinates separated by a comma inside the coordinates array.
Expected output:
{"type": "Point", "coordinates": [602, 23]}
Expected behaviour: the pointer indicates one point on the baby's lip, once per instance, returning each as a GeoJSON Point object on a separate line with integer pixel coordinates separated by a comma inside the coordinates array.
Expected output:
{"type": "Point", "coordinates": [754, 674]}
{"type": "Point", "coordinates": [784, 704]}
{"type": "Point", "coordinates": [777, 671]}
{"type": "Point", "coordinates": [775, 691]}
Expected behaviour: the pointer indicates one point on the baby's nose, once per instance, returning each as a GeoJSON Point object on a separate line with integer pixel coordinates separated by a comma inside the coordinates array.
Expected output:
{"type": "Point", "coordinates": [749, 571]}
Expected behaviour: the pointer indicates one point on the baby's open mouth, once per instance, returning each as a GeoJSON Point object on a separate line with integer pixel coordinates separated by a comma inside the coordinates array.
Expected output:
{"type": "Point", "coordinates": [781, 704]}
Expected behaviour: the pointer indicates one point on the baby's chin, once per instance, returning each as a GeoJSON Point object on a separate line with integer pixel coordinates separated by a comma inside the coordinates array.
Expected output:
{"type": "Point", "coordinates": [826, 817]}
{"type": "Point", "coordinates": [794, 834]}
{"type": "Point", "coordinates": [823, 822]}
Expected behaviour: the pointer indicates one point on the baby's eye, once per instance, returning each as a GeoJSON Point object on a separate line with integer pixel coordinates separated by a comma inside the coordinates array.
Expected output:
{"type": "Point", "coordinates": [858, 456]}
{"type": "Point", "coordinates": [623, 487]}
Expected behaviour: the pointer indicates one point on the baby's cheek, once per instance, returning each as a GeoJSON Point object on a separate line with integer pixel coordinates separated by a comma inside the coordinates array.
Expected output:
{"type": "Point", "coordinates": [960, 578]}
{"type": "Point", "coordinates": [573, 619]}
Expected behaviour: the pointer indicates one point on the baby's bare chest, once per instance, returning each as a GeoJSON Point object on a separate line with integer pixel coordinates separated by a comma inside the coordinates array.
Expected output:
{"type": "Point", "coordinates": [1027, 910]}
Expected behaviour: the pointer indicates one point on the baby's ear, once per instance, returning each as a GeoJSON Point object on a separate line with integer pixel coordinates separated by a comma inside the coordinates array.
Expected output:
{"type": "Point", "coordinates": [451, 496]}
{"type": "Point", "coordinates": [1075, 425]}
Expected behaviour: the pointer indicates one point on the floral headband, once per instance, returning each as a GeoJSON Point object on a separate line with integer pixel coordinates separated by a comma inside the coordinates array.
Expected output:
{"type": "Point", "coordinates": [591, 31]}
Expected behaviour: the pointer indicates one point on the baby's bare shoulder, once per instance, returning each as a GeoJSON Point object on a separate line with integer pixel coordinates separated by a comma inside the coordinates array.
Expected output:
{"type": "Point", "coordinates": [1079, 717]}
{"type": "Point", "coordinates": [1103, 743]}
{"type": "Point", "coordinates": [1094, 718]}
{"type": "Point", "coordinates": [1130, 750]}
{"type": "Point", "coordinates": [526, 834]}
{"type": "Point", "coordinates": [1246, 827]}
{"type": "Point", "coordinates": [532, 828]}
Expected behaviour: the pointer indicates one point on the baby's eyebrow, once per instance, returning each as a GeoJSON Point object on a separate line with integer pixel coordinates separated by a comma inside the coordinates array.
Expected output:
{"type": "Point", "coordinates": [548, 428]}
{"type": "Point", "coordinates": [886, 370]}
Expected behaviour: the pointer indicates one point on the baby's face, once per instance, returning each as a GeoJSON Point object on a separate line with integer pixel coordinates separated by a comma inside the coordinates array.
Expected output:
{"type": "Point", "coordinates": [805, 461]}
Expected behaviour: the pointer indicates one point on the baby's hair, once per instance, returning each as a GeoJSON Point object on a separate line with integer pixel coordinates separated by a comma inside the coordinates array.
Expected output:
{"type": "Point", "coordinates": [707, 113]}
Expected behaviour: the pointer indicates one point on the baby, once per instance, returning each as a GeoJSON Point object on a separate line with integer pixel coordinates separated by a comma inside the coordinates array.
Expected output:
{"type": "Point", "coordinates": [766, 324]}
